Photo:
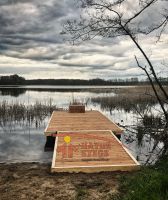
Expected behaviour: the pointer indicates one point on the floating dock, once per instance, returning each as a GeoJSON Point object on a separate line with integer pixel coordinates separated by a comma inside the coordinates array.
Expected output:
{"type": "Point", "coordinates": [89, 120]}
{"type": "Point", "coordinates": [86, 141]}
{"type": "Point", "coordinates": [90, 152]}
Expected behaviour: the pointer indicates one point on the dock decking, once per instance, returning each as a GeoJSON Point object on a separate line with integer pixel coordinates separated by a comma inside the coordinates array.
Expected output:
{"type": "Point", "coordinates": [90, 120]}
{"type": "Point", "coordinates": [87, 142]}
{"type": "Point", "coordinates": [91, 151]}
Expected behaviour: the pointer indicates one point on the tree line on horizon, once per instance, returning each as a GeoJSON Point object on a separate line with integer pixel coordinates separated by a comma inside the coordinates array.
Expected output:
{"type": "Point", "coordinates": [18, 80]}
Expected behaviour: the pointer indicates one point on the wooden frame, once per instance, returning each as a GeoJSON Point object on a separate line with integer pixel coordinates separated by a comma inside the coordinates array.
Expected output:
{"type": "Point", "coordinates": [94, 168]}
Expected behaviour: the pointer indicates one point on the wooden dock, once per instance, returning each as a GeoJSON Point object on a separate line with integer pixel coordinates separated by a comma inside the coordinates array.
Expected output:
{"type": "Point", "coordinates": [91, 151]}
{"type": "Point", "coordinates": [87, 142]}
{"type": "Point", "coordinates": [89, 120]}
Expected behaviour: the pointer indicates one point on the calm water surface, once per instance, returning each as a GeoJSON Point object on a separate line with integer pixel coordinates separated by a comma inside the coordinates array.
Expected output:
{"type": "Point", "coordinates": [24, 142]}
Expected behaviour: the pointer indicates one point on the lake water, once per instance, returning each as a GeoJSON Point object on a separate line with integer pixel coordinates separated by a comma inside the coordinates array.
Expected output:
{"type": "Point", "coordinates": [24, 142]}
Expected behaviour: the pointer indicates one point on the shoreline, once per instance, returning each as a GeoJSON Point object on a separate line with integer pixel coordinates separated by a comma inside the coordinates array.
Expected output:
{"type": "Point", "coordinates": [35, 181]}
{"type": "Point", "coordinates": [24, 162]}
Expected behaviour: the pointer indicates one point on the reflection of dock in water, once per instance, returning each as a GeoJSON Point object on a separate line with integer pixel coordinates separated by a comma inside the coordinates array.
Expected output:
{"type": "Point", "coordinates": [86, 141]}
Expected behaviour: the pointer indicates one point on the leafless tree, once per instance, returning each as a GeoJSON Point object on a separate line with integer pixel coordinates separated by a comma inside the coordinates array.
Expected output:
{"type": "Point", "coordinates": [113, 18]}
{"type": "Point", "coordinates": [116, 18]}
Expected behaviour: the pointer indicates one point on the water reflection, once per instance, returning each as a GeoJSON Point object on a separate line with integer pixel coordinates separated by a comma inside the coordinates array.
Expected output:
{"type": "Point", "coordinates": [23, 140]}
{"type": "Point", "coordinates": [15, 92]}
{"type": "Point", "coordinates": [19, 90]}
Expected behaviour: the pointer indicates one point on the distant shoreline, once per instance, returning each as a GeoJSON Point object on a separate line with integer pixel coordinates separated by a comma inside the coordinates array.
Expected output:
{"type": "Point", "coordinates": [34, 86]}
{"type": "Point", "coordinates": [18, 80]}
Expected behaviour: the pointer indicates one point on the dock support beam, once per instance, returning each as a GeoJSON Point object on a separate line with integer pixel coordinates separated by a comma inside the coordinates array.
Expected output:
{"type": "Point", "coordinates": [50, 142]}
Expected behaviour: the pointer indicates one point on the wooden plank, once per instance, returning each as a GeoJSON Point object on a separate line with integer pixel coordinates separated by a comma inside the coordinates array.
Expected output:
{"type": "Point", "coordinates": [91, 151]}
{"type": "Point", "coordinates": [90, 120]}
{"type": "Point", "coordinates": [55, 152]}
{"type": "Point", "coordinates": [126, 149]}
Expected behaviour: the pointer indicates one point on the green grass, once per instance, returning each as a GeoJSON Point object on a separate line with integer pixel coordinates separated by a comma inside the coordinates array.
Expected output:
{"type": "Point", "coordinates": [151, 183]}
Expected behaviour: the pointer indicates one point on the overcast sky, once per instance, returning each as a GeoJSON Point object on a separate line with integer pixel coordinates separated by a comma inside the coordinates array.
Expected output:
{"type": "Point", "coordinates": [31, 44]}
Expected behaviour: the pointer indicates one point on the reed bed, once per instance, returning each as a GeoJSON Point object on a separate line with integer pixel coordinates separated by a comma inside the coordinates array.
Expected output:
{"type": "Point", "coordinates": [139, 100]}
{"type": "Point", "coordinates": [143, 90]}
{"type": "Point", "coordinates": [128, 99]}
{"type": "Point", "coordinates": [21, 112]}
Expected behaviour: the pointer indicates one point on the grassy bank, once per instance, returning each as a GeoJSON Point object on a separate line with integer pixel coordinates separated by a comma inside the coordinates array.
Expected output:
{"type": "Point", "coordinates": [151, 183]}
{"type": "Point", "coordinates": [34, 181]}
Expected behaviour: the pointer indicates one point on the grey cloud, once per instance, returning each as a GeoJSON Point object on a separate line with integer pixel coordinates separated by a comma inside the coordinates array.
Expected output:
{"type": "Point", "coordinates": [23, 70]}
{"type": "Point", "coordinates": [94, 66]}
{"type": "Point", "coordinates": [30, 23]}
{"type": "Point", "coordinates": [12, 39]}
{"type": "Point", "coordinates": [51, 12]}
{"type": "Point", "coordinates": [11, 2]}
{"type": "Point", "coordinates": [30, 31]}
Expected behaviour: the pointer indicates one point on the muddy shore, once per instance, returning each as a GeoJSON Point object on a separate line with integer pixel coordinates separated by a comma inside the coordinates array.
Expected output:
{"type": "Point", "coordinates": [34, 181]}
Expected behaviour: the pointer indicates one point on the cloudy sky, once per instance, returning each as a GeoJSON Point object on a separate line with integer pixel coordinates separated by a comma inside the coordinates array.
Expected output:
{"type": "Point", "coordinates": [31, 44]}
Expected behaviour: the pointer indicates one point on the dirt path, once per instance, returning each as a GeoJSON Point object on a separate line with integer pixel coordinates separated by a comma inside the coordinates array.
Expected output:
{"type": "Point", "coordinates": [34, 181]}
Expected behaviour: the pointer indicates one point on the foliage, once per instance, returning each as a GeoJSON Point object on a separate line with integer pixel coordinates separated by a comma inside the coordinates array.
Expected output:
{"type": "Point", "coordinates": [12, 80]}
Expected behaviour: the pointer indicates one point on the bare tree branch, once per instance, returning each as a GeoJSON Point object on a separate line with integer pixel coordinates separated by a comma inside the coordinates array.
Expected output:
{"type": "Point", "coordinates": [142, 10]}
{"type": "Point", "coordinates": [108, 21]}
{"type": "Point", "coordinates": [154, 89]}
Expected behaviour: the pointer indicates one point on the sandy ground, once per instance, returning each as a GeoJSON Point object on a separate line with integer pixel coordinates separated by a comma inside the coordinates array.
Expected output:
{"type": "Point", "coordinates": [34, 181]}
